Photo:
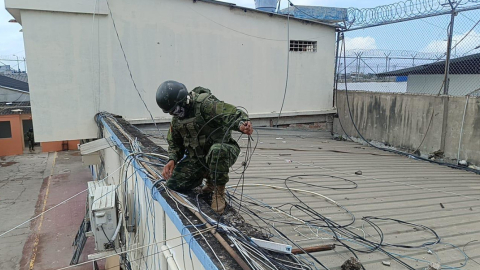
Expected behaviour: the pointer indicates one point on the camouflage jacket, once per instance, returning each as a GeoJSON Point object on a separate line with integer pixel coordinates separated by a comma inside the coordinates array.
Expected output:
{"type": "Point", "coordinates": [207, 121]}
{"type": "Point", "coordinates": [29, 136]}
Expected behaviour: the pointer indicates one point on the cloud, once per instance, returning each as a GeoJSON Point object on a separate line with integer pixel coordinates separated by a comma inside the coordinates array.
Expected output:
{"type": "Point", "coordinates": [360, 43]}
{"type": "Point", "coordinates": [11, 40]}
{"type": "Point", "coordinates": [465, 45]}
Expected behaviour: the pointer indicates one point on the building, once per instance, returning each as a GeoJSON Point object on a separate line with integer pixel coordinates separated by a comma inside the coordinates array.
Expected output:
{"type": "Point", "coordinates": [16, 119]}
{"type": "Point", "coordinates": [5, 69]}
{"type": "Point", "coordinates": [238, 53]}
{"type": "Point", "coordinates": [12, 90]}
{"type": "Point", "coordinates": [428, 79]}
{"type": "Point", "coordinates": [245, 56]}
{"type": "Point", "coordinates": [241, 54]}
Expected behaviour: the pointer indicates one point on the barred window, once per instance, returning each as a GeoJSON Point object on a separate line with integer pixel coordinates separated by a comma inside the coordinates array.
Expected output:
{"type": "Point", "coordinates": [303, 46]}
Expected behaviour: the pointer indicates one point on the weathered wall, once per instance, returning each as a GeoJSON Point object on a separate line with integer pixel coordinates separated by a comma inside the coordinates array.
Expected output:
{"type": "Point", "coordinates": [9, 95]}
{"type": "Point", "coordinates": [58, 146]}
{"type": "Point", "coordinates": [14, 145]}
{"type": "Point", "coordinates": [152, 223]}
{"type": "Point", "coordinates": [460, 84]}
{"type": "Point", "coordinates": [240, 54]}
{"type": "Point", "coordinates": [402, 120]}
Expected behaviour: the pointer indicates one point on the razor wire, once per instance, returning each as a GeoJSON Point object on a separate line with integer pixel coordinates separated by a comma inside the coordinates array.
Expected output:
{"type": "Point", "coordinates": [410, 56]}
{"type": "Point", "coordinates": [405, 10]}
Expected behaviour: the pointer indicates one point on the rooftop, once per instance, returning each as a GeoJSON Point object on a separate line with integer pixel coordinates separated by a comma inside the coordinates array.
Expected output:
{"type": "Point", "coordinates": [9, 108]}
{"type": "Point", "coordinates": [469, 64]}
{"type": "Point", "coordinates": [311, 14]}
{"type": "Point", "coordinates": [302, 184]}
{"type": "Point", "coordinates": [12, 83]}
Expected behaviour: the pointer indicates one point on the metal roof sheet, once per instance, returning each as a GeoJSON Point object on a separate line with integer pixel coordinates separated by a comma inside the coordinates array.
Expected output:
{"type": "Point", "coordinates": [469, 64]}
{"type": "Point", "coordinates": [392, 186]}
{"type": "Point", "coordinates": [8, 82]}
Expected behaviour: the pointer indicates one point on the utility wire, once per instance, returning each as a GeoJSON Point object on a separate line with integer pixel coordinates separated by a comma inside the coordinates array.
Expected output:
{"type": "Point", "coordinates": [288, 68]}
{"type": "Point", "coordinates": [130, 71]}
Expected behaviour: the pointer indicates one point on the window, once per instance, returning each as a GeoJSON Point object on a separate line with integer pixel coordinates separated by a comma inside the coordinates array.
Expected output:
{"type": "Point", "coordinates": [303, 46]}
{"type": "Point", "coordinates": [5, 130]}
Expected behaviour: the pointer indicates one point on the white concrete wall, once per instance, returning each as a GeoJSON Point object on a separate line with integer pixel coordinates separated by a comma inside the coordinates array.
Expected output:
{"type": "Point", "coordinates": [241, 55]}
{"type": "Point", "coordinates": [151, 229]}
{"type": "Point", "coordinates": [460, 84]}
{"type": "Point", "coordinates": [9, 95]}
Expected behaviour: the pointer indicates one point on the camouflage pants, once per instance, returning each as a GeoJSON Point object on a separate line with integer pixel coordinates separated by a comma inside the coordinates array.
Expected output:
{"type": "Point", "coordinates": [190, 172]}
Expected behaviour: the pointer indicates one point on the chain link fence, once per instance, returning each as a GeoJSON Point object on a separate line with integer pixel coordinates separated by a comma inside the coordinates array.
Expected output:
{"type": "Point", "coordinates": [413, 56]}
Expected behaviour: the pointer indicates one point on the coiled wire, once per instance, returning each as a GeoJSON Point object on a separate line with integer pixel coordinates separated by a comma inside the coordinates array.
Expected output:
{"type": "Point", "coordinates": [401, 10]}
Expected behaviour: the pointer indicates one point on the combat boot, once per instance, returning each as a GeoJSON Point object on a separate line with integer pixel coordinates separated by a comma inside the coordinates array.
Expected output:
{"type": "Point", "coordinates": [218, 200]}
{"type": "Point", "coordinates": [208, 188]}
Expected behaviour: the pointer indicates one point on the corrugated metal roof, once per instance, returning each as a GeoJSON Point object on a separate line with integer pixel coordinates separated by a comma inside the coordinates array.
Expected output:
{"type": "Point", "coordinates": [324, 14]}
{"type": "Point", "coordinates": [469, 64]}
{"type": "Point", "coordinates": [17, 76]}
{"type": "Point", "coordinates": [305, 18]}
{"type": "Point", "coordinates": [14, 84]}
{"type": "Point", "coordinates": [15, 108]}
{"type": "Point", "coordinates": [392, 186]}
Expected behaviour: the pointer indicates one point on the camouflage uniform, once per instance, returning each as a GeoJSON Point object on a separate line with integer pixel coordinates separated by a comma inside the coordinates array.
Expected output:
{"type": "Point", "coordinates": [204, 136]}
{"type": "Point", "coordinates": [31, 141]}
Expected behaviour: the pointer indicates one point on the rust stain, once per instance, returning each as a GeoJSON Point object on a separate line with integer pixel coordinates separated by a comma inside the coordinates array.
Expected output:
{"type": "Point", "coordinates": [7, 164]}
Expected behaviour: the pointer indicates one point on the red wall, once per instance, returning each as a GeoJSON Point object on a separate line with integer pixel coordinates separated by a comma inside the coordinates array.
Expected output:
{"type": "Point", "coordinates": [14, 145]}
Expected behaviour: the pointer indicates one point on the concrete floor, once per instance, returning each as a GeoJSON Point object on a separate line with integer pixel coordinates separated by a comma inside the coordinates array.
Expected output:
{"type": "Point", "coordinates": [29, 185]}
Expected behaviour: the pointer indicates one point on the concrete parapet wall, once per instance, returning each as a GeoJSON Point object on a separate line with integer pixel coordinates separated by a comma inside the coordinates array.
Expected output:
{"type": "Point", "coordinates": [411, 121]}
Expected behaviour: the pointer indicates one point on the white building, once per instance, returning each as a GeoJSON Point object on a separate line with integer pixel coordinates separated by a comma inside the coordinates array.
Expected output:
{"type": "Point", "coordinates": [75, 58]}
{"type": "Point", "coordinates": [464, 77]}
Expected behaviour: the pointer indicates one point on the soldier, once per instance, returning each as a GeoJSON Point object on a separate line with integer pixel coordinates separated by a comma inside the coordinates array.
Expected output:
{"type": "Point", "coordinates": [201, 131]}
{"type": "Point", "coordinates": [31, 140]}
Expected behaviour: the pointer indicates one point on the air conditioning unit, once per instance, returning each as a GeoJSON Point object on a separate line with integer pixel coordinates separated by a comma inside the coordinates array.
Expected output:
{"type": "Point", "coordinates": [104, 218]}
{"type": "Point", "coordinates": [92, 186]}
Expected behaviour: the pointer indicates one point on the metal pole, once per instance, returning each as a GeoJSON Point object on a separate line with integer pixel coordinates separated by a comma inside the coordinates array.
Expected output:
{"type": "Point", "coordinates": [461, 130]}
{"type": "Point", "coordinates": [446, 80]}
{"type": "Point", "coordinates": [18, 64]}
{"type": "Point", "coordinates": [449, 50]}
{"type": "Point", "coordinates": [336, 62]}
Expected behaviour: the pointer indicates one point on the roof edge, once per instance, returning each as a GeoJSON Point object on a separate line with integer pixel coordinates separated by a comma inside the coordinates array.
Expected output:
{"type": "Point", "coordinates": [234, 6]}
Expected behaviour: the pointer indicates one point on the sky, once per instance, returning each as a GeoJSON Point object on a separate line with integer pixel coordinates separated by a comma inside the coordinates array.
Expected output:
{"type": "Point", "coordinates": [11, 40]}
{"type": "Point", "coordinates": [427, 36]}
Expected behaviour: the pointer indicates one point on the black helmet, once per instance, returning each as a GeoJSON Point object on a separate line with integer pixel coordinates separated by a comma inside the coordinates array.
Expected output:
{"type": "Point", "coordinates": [169, 94]}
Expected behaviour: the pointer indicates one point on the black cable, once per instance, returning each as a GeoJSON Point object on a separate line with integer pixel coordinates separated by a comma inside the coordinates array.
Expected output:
{"type": "Point", "coordinates": [108, 239]}
{"type": "Point", "coordinates": [369, 219]}
{"type": "Point", "coordinates": [289, 179]}
{"type": "Point", "coordinates": [288, 68]}
{"type": "Point", "coordinates": [466, 253]}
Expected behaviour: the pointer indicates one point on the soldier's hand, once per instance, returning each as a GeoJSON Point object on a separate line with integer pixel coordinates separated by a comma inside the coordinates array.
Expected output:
{"type": "Point", "coordinates": [246, 128]}
{"type": "Point", "coordinates": [168, 170]}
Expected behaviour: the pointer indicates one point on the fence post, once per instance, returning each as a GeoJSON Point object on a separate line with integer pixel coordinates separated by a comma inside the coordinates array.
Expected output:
{"type": "Point", "coordinates": [335, 72]}
{"type": "Point", "coordinates": [446, 80]}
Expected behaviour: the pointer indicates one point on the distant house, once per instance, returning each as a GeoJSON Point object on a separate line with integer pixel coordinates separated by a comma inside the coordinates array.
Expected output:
{"type": "Point", "coordinates": [16, 119]}
{"type": "Point", "coordinates": [12, 90]}
{"type": "Point", "coordinates": [428, 79]}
